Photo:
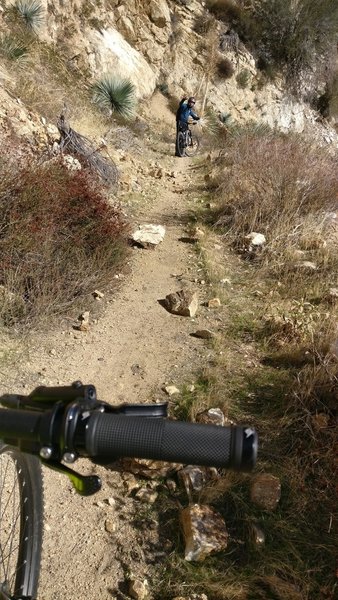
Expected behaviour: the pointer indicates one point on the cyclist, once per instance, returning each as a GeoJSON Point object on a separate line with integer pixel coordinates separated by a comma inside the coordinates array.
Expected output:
{"type": "Point", "coordinates": [184, 111]}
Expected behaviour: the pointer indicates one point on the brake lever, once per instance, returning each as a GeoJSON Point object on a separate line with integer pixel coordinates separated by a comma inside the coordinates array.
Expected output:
{"type": "Point", "coordinates": [85, 485]}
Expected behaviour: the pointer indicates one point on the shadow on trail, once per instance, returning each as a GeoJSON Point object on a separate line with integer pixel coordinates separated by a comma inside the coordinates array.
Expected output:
{"type": "Point", "coordinates": [174, 218]}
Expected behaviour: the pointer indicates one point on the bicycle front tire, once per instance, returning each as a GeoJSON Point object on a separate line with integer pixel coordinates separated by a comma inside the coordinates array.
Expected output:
{"type": "Point", "coordinates": [192, 145]}
{"type": "Point", "coordinates": [21, 519]}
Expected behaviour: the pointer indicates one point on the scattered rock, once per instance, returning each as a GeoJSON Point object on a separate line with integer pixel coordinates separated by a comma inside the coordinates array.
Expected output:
{"type": "Point", "coordinates": [71, 163]}
{"type": "Point", "coordinates": [151, 469]}
{"type": "Point", "coordinates": [171, 485]}
{"type": "Point", "coordinates": [195, 478]}
{"type": "Point", "coordinates": [110, 525]}
{"type": "Point", "coordinates": [146, 495]}
{"type": "Point", "coordinates": [266, 491]}
{"type": "Point", "coordinates": [171, 390]}
{"type": "Point", "coordinates": [254, 241]}
{"type": "Point", "coordinates": [205, 334]}
{"type": "Point", "coordinates": [158, 12]}
{"type": "Point", "coordinates": [257, 535]}
{"type": "Point", "coordinates": [183, 303]}
{"type": "Point", "coordinates": [98, 295]}
{"type": "Point", "coordinates": [149, 235]}
{"type": "Point", "coordinates": [138, 589]}
{"type": "Point", "coordinates": [214, 303]}
{"type": "Point", "coordinates": [84, 322]}
{"type": "Point", "coordinates": [211, 416]}
{"type": "Point", "coordinates": [130, 482]}
{"type": "Point", "coordinates": [204, 532]}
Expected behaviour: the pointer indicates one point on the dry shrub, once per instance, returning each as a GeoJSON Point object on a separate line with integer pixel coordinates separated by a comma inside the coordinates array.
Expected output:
{"type": "Point", "coordinates": [225, 10]}
{"type": "Point", "coordinates": [285, 188]}
{"type": "Point", "coordinates": [225, 68]}
{"type": "Point", "coordinates": [62, 82]}
{"type": "Point", "coordinates": [266, 182]}
{"type": "Point", "coordinates": [59, 241]}
{"type": "Point", "coordinates": [203, 23]}
{"type": "Point", "coordinates": [292, 322]}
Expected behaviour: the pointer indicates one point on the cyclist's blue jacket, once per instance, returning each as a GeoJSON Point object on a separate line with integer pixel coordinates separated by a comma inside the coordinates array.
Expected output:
{"type": "Point", "coordinates": [184, 112]}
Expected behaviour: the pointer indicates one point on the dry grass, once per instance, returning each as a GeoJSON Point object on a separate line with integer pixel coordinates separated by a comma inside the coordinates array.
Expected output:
{"type": "Point", "coordinates": [287, 189]}
{"type": "Point", "coordinates": [274, 365]}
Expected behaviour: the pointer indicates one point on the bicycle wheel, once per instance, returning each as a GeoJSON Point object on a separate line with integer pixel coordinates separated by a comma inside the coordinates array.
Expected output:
{"type": "Point", "coordinates": [193, 144]}
{"type": "Point", "coordinates": [21, 511]}
{"type": "Point", "coordinates": [181, 143]}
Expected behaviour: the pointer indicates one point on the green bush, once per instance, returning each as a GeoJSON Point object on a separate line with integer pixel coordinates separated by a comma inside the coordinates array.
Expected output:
{"type": "Point", "coordinates": [243, 78]}
{"type": "Point", "coordinates": [59, 241]}
{"type": "Point", "coordinates": [115, 95]}
{"type": "Point", "coordinates": [30, 12]}
{"type": "Point", "coordinates": [13, 49]}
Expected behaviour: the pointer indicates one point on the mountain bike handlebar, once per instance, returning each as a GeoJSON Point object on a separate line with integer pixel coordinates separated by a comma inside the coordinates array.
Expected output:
{"type": "Point", "coordinates": [172, 441]}
{"type": "Point", "coordinates": [62, 423]}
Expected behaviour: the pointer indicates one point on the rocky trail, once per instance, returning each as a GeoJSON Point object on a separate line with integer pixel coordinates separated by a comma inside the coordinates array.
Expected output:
{"type": "Point", "coordinates": [130, 353]}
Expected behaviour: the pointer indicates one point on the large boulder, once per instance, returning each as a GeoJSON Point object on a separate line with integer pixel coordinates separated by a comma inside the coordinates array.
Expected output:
{"type": "Point", "coordinates": [158, 12]}
{"type": "Point", "coordinates": [111, 53]}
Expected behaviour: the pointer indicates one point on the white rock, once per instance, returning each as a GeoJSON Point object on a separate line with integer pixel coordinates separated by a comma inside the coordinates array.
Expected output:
{"type": "Point", "coordinates": [256, 239]}
{"type": "Point", "coordinates": [171, 390]}
{"type": "Point", "coordinates": [149, 234]}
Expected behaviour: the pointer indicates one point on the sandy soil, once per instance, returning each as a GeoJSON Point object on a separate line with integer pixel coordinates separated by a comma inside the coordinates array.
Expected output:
{"type": "Point", "coordinates": [91, 545]}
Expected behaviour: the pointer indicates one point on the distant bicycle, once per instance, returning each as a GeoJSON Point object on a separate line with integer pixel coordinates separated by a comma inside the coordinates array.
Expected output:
{"type": "Point", "coordinates": [187, 142]}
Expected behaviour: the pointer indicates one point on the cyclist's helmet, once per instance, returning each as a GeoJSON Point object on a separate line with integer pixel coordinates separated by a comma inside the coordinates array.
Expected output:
{"type": "Point", "coordinates": [191, 100]}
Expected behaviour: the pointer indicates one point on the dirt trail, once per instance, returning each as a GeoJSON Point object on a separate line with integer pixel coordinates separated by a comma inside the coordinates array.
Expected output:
{"type": "Point", "coordinates": [133, 349]}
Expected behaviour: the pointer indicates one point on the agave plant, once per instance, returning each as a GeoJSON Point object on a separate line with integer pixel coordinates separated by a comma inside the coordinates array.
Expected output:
{"type": "Point", "coordinates": [13, 49]}
{"type": "Point", "coordinates": [116, 95]}
{"type": "Point", "coordinates": [31, 12]}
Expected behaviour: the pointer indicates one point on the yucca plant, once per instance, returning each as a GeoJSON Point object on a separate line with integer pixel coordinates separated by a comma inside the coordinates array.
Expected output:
{"type": "Point", "coordinates": [115, 95]}
{"type": "Point", "coordinates": [12, 49]}
{"type": "Point", "coordinates": [30, 12]}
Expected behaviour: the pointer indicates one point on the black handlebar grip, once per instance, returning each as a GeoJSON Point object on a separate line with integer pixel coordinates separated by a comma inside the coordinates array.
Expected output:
{"type": "Point", "coordinates": [116, 436]}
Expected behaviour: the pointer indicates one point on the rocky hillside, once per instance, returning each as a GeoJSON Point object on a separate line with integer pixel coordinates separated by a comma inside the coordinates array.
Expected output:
{"type": "Point", "coordinates": [161, 44]}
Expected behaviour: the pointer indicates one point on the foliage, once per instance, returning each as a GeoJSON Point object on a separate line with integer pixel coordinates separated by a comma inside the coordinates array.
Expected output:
{"type": "Point", "coordinates": [30, 12]}
{"type": "Point", "coordinates": [203, 23]}
{"type": "Point", "coordinates": [115, 95]}
{"type": "Point", "coordinates": [13, 49]}
{"type": "Point", "coordinates": [243, 78]}
{"type": "Point", "coordinates": [60, 240]}
{"type": "Point", "coordinates": [283, 187]}
{"type": "Point", "coordinates": [225, 10]}
{"type": "Point", "coordinates": [225, 68]}
{"type": "Point", "coordinates": [294, 35]}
